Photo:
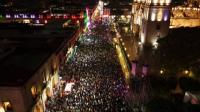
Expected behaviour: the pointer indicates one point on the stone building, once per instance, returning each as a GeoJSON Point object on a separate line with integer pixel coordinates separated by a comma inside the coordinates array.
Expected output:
{"type": "Point", "coordinates": [153, 19]}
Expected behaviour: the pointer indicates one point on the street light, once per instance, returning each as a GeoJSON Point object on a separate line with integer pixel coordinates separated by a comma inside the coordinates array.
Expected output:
{"type": "Point", "coordinates": [161, 71]}
{"type": "Point", "coordinates": [186, 72]}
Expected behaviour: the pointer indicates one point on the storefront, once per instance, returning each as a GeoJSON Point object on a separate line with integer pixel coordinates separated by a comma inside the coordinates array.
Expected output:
{"type": "Point", "coordinates": [47, 92]}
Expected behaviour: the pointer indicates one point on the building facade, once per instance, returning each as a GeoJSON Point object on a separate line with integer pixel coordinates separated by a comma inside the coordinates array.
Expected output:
{"type": "Point", "coordinates": [36, 89]}
{"type": "Point", "coordinates": [153, 19]}
{"type": "Point", "coordinates": [28, 80]}
{"type": "Point", "coordinates": [27, 84]}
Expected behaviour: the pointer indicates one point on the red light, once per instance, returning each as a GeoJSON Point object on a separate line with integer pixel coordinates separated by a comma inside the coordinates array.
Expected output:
{"type": "Point", "coordinates": [73, 17]}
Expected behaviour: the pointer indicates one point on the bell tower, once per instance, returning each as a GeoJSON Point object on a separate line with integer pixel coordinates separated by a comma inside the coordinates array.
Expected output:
{"type": "Point", "coordinates": [155, 21]}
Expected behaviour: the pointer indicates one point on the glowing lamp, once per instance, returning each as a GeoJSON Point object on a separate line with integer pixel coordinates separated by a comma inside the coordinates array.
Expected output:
{"type": "Point", "coordinates": [186, 72]}
{"type": "Point", "coordinates": [161, 71]}
{"type": "Point", "coordinates": [45, 21]}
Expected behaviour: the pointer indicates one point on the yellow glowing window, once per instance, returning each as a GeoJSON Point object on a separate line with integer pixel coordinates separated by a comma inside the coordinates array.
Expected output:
{"type": "Point", "coordinates": [155, 1]}
{"type": "Point", "coordinates": [148, 1]}
{"type": "Point", "coordinates": [153, 16]}
{"type": "Point", "coordinates": [33, 91]}
{"type": "Point", "coordinates": [162, 2]}
{"type": "Point", "coordinates": [159, 15]}
{"type": "Point", "coordinates": [167, 1]}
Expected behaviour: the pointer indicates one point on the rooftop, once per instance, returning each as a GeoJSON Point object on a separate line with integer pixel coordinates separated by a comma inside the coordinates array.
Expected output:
{"type": "Point", "coordinates": [21, 57]}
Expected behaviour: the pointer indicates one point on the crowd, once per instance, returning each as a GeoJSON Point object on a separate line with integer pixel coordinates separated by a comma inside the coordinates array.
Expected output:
{"type": "Point", "coordinates": [99, 84]}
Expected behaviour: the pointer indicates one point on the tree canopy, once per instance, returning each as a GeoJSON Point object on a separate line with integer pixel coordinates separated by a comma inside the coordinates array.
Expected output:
{"type": "Point", "coordinates": [180, 49]}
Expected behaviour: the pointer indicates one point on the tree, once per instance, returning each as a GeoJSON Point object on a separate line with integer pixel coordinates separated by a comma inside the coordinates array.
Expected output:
{"type": "Point", "coordinates": [179, 50]}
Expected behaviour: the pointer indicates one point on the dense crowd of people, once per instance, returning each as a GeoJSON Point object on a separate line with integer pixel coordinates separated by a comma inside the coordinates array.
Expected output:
{"type": "Point", "coordinates": [99, 84]}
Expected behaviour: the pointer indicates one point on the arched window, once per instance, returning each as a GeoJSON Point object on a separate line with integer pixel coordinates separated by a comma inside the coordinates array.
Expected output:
{"type": "Point", "coordinates": [162, 2]}
{"type": "Point", "coordinates": [166, 15]}
{"type": "Point", "coordinates": [153, 15]}
{"type": "Point", "coordinates": [167, 2]}
{"type": "Point", "coordinates": [159, 15]}
{"type": "Point", "coordinates": [155, 2]}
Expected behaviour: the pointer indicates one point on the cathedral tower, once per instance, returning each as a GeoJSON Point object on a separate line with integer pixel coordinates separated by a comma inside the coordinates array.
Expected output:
{"type": "Point", "coordinates": [153, 17]}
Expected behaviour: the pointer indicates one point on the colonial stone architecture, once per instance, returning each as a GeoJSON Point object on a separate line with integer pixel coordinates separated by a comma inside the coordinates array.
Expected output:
{"type": "Point", "coordinates": [153, 19]}
{"type": "Point", "coordinates": [185, 16]}
{"type": "Point", "coordinates": [29, 66]}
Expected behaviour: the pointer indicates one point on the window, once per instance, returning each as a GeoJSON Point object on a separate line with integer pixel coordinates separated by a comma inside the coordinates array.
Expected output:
{"type": "Point", "coordinates": [33, 91]}
{"type": "Point", "coordinates": [162, 2]}
{"type": "Point", "coordinates": [153, 14]}
{"type": "Point", "coordinates": [165, 18]}
{"type": "Point", "coordinates": [166, 15]}
{"type": "Point", "coordinates": [155, 1]}
{"type": "Point", "coordinates": [159, 15]}
{"type": "Point", "coordinates": [167, 2]}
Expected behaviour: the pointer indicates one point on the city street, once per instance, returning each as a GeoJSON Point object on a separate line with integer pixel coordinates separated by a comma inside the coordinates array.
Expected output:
{"type": "Point", "coordinates": [100, 56]}
{"type": "Point", "coordinates": [92, 80]}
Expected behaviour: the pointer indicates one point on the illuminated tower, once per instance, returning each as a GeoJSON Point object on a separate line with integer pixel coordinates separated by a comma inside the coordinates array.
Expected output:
{"type": "Point", "coordinates": [155, 21]}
